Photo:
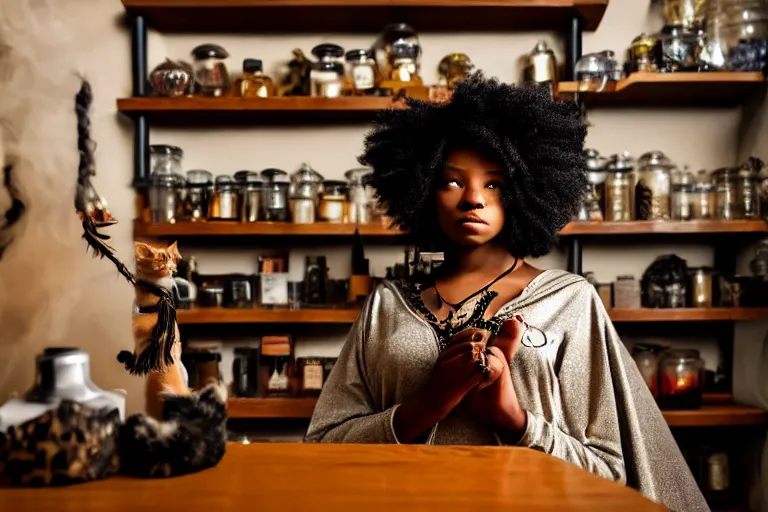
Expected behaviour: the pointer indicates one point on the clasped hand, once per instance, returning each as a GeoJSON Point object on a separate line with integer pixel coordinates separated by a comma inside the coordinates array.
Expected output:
{"type": "Point", "coordinates": [489, 395]}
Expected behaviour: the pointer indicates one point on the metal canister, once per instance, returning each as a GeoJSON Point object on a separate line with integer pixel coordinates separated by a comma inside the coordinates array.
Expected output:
{"type": "Point", "coordinates": [224, 201]}
{"type": "Point", "coordinates": [250, 197]}
{"type": "Point", "coordinates": [542, 66]}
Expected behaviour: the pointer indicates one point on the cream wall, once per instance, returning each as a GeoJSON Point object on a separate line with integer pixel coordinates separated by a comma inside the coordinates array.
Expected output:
{"type": "Point", "coordinates": [97, 317]}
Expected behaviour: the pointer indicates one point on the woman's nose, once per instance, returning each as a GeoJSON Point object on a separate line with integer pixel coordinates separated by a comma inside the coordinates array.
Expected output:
{"type": "Point", "coordinates": [473, 198]}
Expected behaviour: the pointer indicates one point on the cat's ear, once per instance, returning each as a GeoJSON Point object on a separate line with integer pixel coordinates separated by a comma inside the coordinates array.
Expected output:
{"type": "Point", "coordinates": [173, 251]}
{"type": "Point", "coordinates": [144, 251]}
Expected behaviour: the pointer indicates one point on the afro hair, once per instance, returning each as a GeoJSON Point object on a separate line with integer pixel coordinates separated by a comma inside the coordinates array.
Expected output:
{"type": "Point", "coordinates": [538, 141]}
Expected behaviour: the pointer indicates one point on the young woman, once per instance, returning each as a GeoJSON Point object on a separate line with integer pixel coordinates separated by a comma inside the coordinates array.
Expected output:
{"type": "Point", "coordinates": [489, 179]}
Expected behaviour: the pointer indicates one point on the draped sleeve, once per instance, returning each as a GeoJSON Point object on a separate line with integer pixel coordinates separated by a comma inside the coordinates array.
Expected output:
{"type": "Point", "coordinates": [604, 418]}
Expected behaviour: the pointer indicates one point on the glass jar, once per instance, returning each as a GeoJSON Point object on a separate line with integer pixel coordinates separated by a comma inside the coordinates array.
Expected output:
{"type": "Point", "coordinates": [360, 206]}
{"type": "Point", "coordinates": [166, 190]}
{"type": "Point", "coordinates": [254, 83]}
{"type": "Point", "coordinates": [305, 176]}
{"type": "Point", "coordinates": [687, 13]}
{"type": "Point", "coordinates": [594, 200]}
{"type": "Point", "coordinates": [251, 191]}
{"type": "Point", "coordinates": [327, 73]}
{"type": "Point", "coordinates": [641, 54]}
{"type": "Point", "coordinates": [224, 202]}
{"type": "Point", "coordinates": [703, 196]}
{"type": "Point", "coordinates": [702, 287]}
{"type": "Point", "coordinates": [303, 202]}
{"type": "Point", "coordinates": [210, 66]}
{"type": "Point", "coordinates": [596, 71]}
{"type": "Point", "coordinates": [647, 359]}
{"type": "Point", "coordinates": [620, 189]}
{"type": "Point", "coordinates": [682, 195]}
{"type": "Point", "coordinates": [654, 187]}
{"type": "Point", "coordinates": [165, 159]}
{"type": "Point", "coordinates": [362, 70]}
{"type": "Point", "coordinates": [681, 378]}
{"type": "Point", "coordinates": [748, 192]}
{"type": "Point", "coordinates": [198, 195]}
{"type": "Point", "coordinates": [727, 203]}
{"type": "Point", "coordinates": [678, 48]}
{"type": "Point", "coordinates": [274, 201]}
{"type": "Point", "coordinates": [399, 54]}
{"type": "Point", "coordinates": [738, 32]}
{"type": "Point", "coordinates": [333, 202]}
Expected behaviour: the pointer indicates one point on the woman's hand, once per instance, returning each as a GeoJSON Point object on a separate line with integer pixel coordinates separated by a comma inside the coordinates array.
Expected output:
{"type": "Point", "coordinates": [454, 375]}
{"type": "Point", "coordinates": [495, 401]}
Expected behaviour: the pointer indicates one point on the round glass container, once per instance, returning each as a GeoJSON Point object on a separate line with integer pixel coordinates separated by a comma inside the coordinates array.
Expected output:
{"type": "Point", "coordinates": [738, 30]}
{"type": "Point", "coordinates": [304, 175]}
{"type": "Point", "coordinates": [224, 203]}
{"type": "Point", "coordinates": [210, 66]}
{"type": "Point", "coordinates": [333, 201]}
{"type": "Point", "coordinates": [687, 13]}
{"type": "Point", "coordinates": [251, 191]}
{"type": "Point", "coordinates": [702, 287]}
{"type": "Point", "coordinates": [641, 53]}
{"type": "Point", "coordinates": [620, 189]}
{"type": "Point", "coordinates": [164, 197]}
{"type": "Point", "coordinates": [274, 201]}
{"type": "Point", "coordinates": [748, 192]}
{"type": "Point", "coordinates": [399, 53]}
{"type": "Point", "coordinates": [682, 195]}
{"type": "Point", "coordinates": [199, 183]}
{"type": "Point", "coordinates": [703, 196]}
{"type": "Point", "coordinates": [678, 48]}
{"type": "Point", "coordinates": [727, 203]}
{"type": "Point", "coordinates": [165, 159]}
{"type": "Point", "coordinates": [654, 187]}
{"type": "Point", "coordinates": [362, 69]}
{"type": "Point", "coordinates": [681, 378]}
{"type": "Point", "coordinates": [304, 202]}
{"type": "Point", "coordinates": [647, 359]}
{"type": "Point", "coordinates": [327, 73]}
{"type": "Point", "coordinates": [360, 199]}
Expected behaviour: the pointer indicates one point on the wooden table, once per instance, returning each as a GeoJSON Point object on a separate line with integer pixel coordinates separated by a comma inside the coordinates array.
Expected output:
{"type": "Point", "coordinates": [359, 478]}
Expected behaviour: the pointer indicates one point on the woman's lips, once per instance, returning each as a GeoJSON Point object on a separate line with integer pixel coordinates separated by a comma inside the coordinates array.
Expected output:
{"type": "Point", "coordinates": [471, 219]}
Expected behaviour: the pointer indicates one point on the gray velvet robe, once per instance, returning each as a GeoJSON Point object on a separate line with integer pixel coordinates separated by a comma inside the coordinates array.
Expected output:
{"type": "Point", "coordinates": [585, 398]}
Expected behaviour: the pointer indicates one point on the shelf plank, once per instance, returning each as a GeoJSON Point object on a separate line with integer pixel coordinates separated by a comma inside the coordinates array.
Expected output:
{"type": "Point", "coordinates": [707, 416]}
{"type": "Point", "coordinates": [263, 316]}
{"type": "Point", "coordinates": [359, 16]}
{"type": "Point", "coordinates": [586, 228]}
{"type": "Point", "coordinates": [687, 314]}
{"type": "Point", "coordinates": [724, 89]}
{"type": "Point", "coordinates": [234, 228]}
{"type": "Point", "coordinates": [255, 408]}
{"type": "Point", "coordinates": [717, 416]}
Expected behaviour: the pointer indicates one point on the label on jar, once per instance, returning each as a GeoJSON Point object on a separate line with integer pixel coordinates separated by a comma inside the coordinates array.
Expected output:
{"type": "Point", "coordinates": [313, 376]}
{"type": "Point", "coordinates": [363, 77]}
{"type": "Point", "coordinates": [278, 381]}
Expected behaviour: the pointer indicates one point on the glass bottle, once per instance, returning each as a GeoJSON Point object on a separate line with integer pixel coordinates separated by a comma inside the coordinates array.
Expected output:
{"type": "Point", "coordinates": [727, 204]}
{"type": "Point", "coordinates": [198, 195]}
{"type": "Point", "coordinates": [166, 183]}
{"type": "Point", "coordinates": [620, 189]}
{"type": "Point", "coordinates": [254, 83]}
{"type": "Point", "coordinates": [224, 203]}
{"type": "Point", "coordinates": [703, 196]}
{"type": "Point", "coordinates": [682, 195]}
{"type": "Point", "coordinates": [274, 202]}
{"type": "Point", "coordinates": [654, 186]}
{"type": "Point", "coordinates": [327, 73]}
{"type": "Point", "coordinates": [211, 75]}
{"type": "Point", "coordinates": [362, 70]}
{"type": "Point", "coordinates": [748, 192]}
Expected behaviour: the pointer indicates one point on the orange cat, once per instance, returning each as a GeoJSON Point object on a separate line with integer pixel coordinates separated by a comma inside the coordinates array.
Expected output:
{"type": "Point", "coordinates": [155, 331]}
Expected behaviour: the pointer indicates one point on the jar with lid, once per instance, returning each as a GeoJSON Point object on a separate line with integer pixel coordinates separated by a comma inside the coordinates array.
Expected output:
{"type": "Point", "coordinates": [678, 48]}
{"type": "Point", "coordinates": [620, 189]}
{"type": "Point", "coordinates": [647, 359]}
{"type": "Point", "coordinates": [304, 199]}
{"type": "Point", "coordinates": [399, 54]}
{"type": "Point", "coordinates": [747, 193]}
{"type": "Point", "coordinates": [333, 202]}
{"type": "Point", "coordinates": [224, 203]}
{"type": "Point", "coordinates": [211, 73]}
{"type": "Point", "coordinates": [274, 201]}
{"type": "Point", "coordinates": [251, 190]}
{"type": "Point", "coordinates": [362, 71]}
{"type": "Point", "coordinates": [654, 186]}
{"type": "Point", "coordinates": [703, 196]}
{"type": "Point", "coordinates": [306, 176]}
{"type": "Point", "coordinates": [327, 74]}
{"type": "Point", "coordinates": [360, 205]}
{"type": "Point", "coordinates": [166, 190]}
{"type": "Point", "coordinates": [727, 203]}
{"type": "Point", "coordinates": [738, 32]}
{"type": "Point", "coordinates": [254, 83]}
{"type": "Point", "coordinates": [686, 13]}
{"type": "Point", "coordinates": [702, 287]}
{"type": "Point", "coordinates": [199, 183]}
{"type": "Point", "coordinates": [681, 378]}
{"type": "Point", "coordinates": [641, 54]}
{"type": "Point", "coordinates": [682, 195]}
{"type": "Point", "coordinates": [594, 200]}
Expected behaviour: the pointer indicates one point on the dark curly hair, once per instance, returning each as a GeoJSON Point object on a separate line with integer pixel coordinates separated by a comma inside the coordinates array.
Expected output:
{"type": "Point", "coordinates": [538, 140]}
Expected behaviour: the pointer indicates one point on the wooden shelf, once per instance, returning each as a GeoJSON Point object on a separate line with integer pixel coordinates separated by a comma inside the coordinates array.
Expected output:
{"type": "Point", "coordinates": [717, 416]}
{"type": "Point", "coordinates": [270, 407]}
{"type": "Point", "coordinates": [358, 16]}
{"type": "Point", "coordinates": [233, 110]}
{"type": "Point", "coordinates": [707, 416]}
{"type": "Point", "coordinates": [265, 316]}
{"type": "Point", "coordinates": [688, 314]}
{"type": "Point", "coordinates": [588, 228]}
{"type": "Point", "coordinates": [228, 228]}
{"type": "Point", "coordinates": [722, 89]}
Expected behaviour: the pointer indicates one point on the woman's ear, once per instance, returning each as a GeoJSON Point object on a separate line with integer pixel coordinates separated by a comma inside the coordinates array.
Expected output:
{"type": "Point", "coordinates": [173, 252]}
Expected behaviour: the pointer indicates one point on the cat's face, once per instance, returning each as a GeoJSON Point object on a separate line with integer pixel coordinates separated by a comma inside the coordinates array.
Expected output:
{"type": "Point", "coordinates": [156, 261]}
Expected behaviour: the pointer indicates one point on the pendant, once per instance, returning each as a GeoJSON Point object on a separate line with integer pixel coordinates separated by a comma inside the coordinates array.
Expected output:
{"type": "Point", "coordinates": [532, 337]}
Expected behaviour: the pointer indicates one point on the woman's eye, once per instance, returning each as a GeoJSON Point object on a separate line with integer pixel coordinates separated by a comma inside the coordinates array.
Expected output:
{"type": "Point", "coordinates": [495, 184]}
{"type": "Point", "coordinates": [451, 183]}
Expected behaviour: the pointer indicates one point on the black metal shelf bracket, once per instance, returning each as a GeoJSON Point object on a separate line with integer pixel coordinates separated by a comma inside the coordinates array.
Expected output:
{"type": "Point", "coordinates": [573, 47]}
{"type": "Point", "coordinates": [140, 122]}
{"type": "Point", "coordinates": [574, 255]}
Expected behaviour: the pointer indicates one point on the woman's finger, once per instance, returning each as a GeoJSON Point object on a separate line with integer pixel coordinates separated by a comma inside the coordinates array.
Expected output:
{"type": "Point", "coordinates": [508, 339]}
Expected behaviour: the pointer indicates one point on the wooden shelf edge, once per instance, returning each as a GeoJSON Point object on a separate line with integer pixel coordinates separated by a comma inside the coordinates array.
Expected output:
{"type": "Point", "coordinates": [233, 228]}
{"type": "Point", "coordinates": [284, 408]}
{"type": "Point", "coordinates": [687, 314]}
{"type": "Point", "coordinates": [671, 78]}
{"type": "Point", "coordinates": [270, 316]}
{"type": "Point", "coordinates": [732, 415]}
{"type": "Point", "coordinates": [237, 104]}
{"type": "Point", "coordinates": [587, 228]}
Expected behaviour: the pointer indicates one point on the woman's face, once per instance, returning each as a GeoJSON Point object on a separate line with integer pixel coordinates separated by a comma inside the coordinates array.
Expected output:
{"type": "Point", "coordinates": [469, 203]}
